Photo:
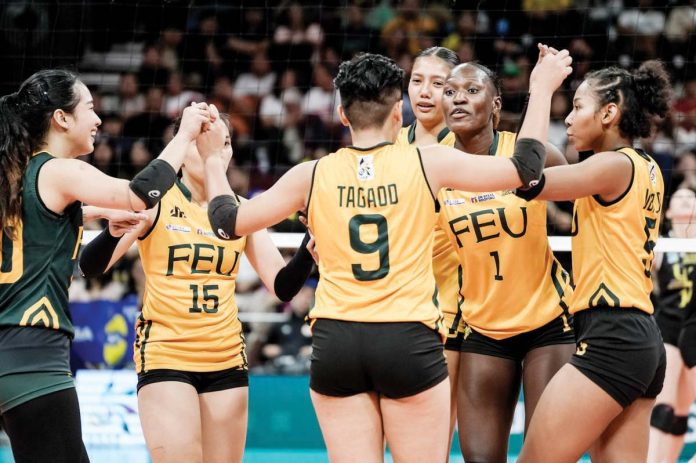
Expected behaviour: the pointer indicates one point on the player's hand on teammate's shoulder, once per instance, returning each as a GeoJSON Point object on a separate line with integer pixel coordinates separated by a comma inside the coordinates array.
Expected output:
{"type": "Point", "coordinates": [122, 222]}
{"type": "Point", "coordinates": [195, 119]}
{"type": "Point", "coordinates": [551, 68]}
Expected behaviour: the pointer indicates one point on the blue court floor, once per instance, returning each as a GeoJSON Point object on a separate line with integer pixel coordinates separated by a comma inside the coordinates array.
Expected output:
{"type": "Point", "coordinates": [116, 455]}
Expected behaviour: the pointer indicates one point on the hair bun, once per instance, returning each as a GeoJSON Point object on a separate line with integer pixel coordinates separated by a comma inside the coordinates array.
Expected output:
{"type": "Point", "coordinates": [652, 87]}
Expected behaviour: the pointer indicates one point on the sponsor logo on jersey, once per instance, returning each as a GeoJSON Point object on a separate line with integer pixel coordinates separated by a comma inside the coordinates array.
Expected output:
{"type": "Point", "coordinates": [177, 228]}
{"type": "Point", "coordinates": [200, 231]}
{"type": "Point", "coordinates": [177, 212]}
{"type": "Point", "coordinates": [483, 198]}
{"type": "Point", "coordinates": [454, 202]}
{"type": "Point", "coordinates": [366, 168]}
{"type": "Point", "coordinates": [653, 174]}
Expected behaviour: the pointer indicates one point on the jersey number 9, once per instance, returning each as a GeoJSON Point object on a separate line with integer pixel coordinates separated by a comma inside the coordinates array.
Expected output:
{"type": "Point", "coordinates": [379, 245]}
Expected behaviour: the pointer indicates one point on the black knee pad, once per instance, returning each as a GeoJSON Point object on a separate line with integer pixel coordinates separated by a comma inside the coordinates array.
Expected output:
{"type": "Point", "coordinates": [662, 418]}
{"type": "Point", "coordinates": [680, 425]}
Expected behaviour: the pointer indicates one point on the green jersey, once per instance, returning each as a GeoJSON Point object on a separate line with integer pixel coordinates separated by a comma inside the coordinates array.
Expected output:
{"type": "Point", "coordinates": [36, 267]}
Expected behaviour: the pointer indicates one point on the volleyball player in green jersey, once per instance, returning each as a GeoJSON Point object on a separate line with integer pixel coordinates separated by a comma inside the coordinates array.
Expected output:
{"type": "Point", "coordinates": [47, 123]}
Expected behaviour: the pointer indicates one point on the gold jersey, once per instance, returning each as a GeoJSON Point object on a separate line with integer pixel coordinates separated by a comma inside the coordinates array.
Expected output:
{"type": "Point", "coordinates": [372, 214]}
{"type": "Point", "coordinates": [445, 260]}
{"type": "Point", "coordinates": [189, 316]}
{"type": "Point", "coordinates": [613, 241]}
{"type": "Point", "coordinates": [511, 283]}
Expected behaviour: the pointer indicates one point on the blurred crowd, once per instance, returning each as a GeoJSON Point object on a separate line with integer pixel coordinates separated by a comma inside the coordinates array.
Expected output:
{"type": "Point", "coordinates": [270, 64]}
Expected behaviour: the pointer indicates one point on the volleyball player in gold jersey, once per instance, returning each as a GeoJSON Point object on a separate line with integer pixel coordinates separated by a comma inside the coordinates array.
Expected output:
{"type": "Point", "coordinates": [516, 330]}
{"type": "Point", "coordinates": [378, 368]}
{"type": "Point", "coordinates": [601, 401]}
{"type": "Point", "coordinates": [430, 70]}
{"type": "Point", "coordinates": [189, 349]}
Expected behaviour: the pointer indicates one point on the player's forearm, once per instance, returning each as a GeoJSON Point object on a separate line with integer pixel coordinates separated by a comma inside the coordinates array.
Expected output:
{"type": "Point", "coordinates": [536, 121]}
{"type": "Point", "coordinates": [216, 182]}
{"type": "Point", "coordinates": [175, 151]}
{"type": "Point", "coordinates": [90, 213]}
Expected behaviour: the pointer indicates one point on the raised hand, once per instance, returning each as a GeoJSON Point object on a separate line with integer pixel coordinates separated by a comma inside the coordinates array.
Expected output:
{"type": "Point", "coordinates": [212, 141]}
{"type": "Point", "coordinates": [551, 69]}
{"type": "Point", "coordinates": [195, 119]}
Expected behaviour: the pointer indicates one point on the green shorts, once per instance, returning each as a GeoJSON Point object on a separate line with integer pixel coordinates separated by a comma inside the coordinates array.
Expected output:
{"type": "Point", "coordinates": [33, 362]}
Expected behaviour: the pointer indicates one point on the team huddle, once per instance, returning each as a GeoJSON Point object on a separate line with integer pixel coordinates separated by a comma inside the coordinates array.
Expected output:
{"type": "Point", "coordinates": [439, 296]}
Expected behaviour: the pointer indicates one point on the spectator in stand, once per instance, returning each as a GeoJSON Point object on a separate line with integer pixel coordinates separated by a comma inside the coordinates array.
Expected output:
{"type": "Point", "coordinates": [152, 72]}
{"type": "Point", "coordinates": [413, 22]}
{"type": "Point", "coordinates": [128, 101]}
{"type": "Point", "coordinates": [104, 156]}
{"type": "Point", "coordinates": [685, 103]}
{"type": "Point", "coordinates": [640, 26]}
{"type": "Point", "coordinates": [258, 82]}
{"type": "Point", "coordinates": [178, 96]}
{"type": "Point", "coordinates": [557, 128]}
{"type": "Point", "coordinates": [684, 175]}
{"type": "Point", "coordinates": [297, 40]}
{"type": "Point", "coordinates": [249, 37]}
{"type": "Point", "coordinates": [149, 124]}
{"type": "Point", "coordinates": [464, 39]}
{"type": "Point", "coordinates": [281, 116]}
{"type": "Point", "coordinates": [355, 36]}
{"type": "Point", "coordinates": [319, 108]}
{"type": "Point", "coordinates": [170, 47]}
{"type": "Point", "coordinates": [203, 54]}
{"type": "Point", "coordinates": [222, 96]}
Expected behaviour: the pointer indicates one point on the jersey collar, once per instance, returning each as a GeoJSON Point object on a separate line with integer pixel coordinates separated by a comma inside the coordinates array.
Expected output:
{"type": "Point", "coordinates": [185, 191]}
{"type": "Point", "coordinates": [370, 148]}
{"type": "Point", "coordinates": [494, 146]}
{"type": "Point", "coordinates": [411, 135]}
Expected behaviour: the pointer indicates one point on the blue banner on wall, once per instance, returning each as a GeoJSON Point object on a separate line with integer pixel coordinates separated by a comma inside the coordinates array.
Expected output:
{"type": "Point", "coordinates": [104, 333]}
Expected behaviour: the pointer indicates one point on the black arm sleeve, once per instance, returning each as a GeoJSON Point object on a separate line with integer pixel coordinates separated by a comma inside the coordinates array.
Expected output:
{"type": "Point", "coordinates": [153, 182]}
{"type": "Point", "coordinates": [97, 254]}
{"type": "Point", "coordinates": [291, 278]}
{"type": "Point", "coordinates": [533, 192]}
{"type": "Point", "coordinates": [529, 159]}
{"type": "Point", "coordinates": [222, 214]}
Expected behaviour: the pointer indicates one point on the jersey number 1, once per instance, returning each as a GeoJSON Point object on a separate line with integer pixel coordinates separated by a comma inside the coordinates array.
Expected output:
{"type": "Point", "coordinates": [379, 245]}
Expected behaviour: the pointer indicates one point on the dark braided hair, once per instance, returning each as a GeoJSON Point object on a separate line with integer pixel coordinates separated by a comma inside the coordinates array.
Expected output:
{"type": "Point", "coordinates": [642, 94]}
{"type": "Point", "coordinates": [25, 117]}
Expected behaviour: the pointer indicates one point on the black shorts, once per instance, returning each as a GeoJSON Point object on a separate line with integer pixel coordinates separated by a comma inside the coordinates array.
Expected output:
{"type": "Point", "coordinates": [557, 331]}
{"type": "Point", "coordinates": [454, 342]}
{"type": "Point", "coordinates": [203, 382]}
{"type": "Point", "coordinates": [394, 359]}
{"type": "Point", "coordinates": [670, 323]}
{"type": "Point", "coordinates": [621, 351]}
{"type": "Point", "coordinates": [687, 337]}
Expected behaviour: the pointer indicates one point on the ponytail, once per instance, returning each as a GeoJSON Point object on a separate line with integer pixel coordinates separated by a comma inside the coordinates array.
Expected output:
{"type": "Point", "coordinates": [15, 150]}
{"type": "Point", "coordinates": [25, 117]}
